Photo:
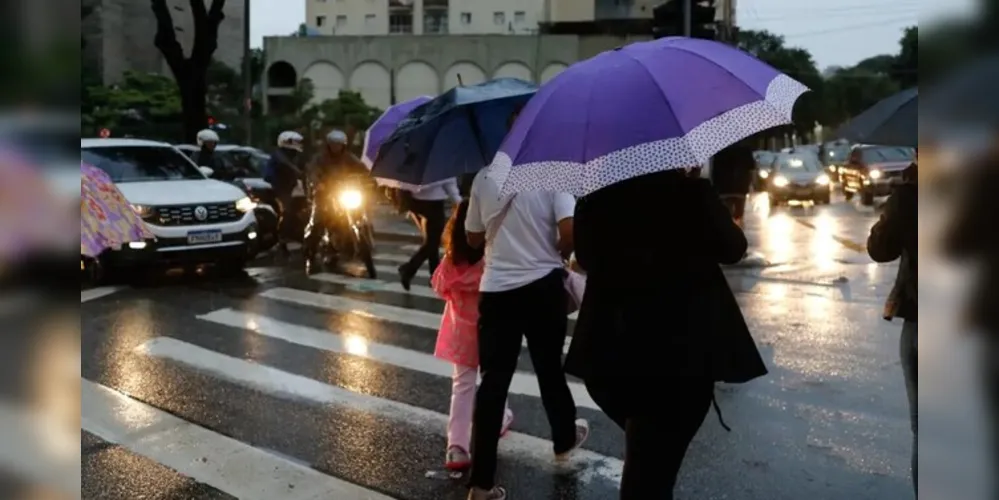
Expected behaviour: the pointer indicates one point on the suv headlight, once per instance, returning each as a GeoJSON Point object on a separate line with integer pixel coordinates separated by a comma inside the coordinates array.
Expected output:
{"type": "Point", "coordinates": [245, 205]}
{"type": "Point", "coordinates": [144, 211]}
{"type": "Point", "coordinates": [780, 181]}
{"type": "Point", "coordinates": [875, 174]}
{"type": "Point", "coordinates": [822, 180]}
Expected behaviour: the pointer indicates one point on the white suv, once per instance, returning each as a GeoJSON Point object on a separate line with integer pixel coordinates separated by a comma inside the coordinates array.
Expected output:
{"type": "Point", "coordinates": [195, 219]}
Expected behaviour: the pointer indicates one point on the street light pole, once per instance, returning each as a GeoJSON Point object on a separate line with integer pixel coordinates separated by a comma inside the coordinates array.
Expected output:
{"type": "Point", "coordinates": [247, 76]}
{"type": "Point", "coordinates": [688, 13]}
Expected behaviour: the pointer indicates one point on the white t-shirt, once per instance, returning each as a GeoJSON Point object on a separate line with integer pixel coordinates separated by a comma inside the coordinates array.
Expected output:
{"type": "Point", "coordinates": [524, 248]}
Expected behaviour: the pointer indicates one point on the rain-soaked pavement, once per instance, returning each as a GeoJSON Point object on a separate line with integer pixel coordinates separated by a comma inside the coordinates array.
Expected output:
{"type": "Point", "coordinates": [283, 386]}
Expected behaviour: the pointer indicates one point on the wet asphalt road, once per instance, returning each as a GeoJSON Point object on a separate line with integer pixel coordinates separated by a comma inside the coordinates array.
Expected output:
{"type": "Point", "coordinates": [279, 371]}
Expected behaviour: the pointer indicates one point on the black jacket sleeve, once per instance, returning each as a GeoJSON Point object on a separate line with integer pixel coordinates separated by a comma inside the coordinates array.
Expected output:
{"type": "Point", "coordinates": [885, 241]}
{"type": "Point", "coordinates": [725, 240]}
{"type": "Point", "coordinates": [581, 234]}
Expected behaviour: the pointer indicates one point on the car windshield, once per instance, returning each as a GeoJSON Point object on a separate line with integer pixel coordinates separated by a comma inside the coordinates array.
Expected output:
{"type": "Point", "coordinates": [141, 163]}
{"type": "Point", "coordinates": [886, 154]}
{"type": "Point", "coordinates": [798, 163]}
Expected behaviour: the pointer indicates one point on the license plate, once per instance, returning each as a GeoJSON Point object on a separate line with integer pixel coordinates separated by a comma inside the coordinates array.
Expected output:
{"type": "Point", "coordinates": [199, 237]}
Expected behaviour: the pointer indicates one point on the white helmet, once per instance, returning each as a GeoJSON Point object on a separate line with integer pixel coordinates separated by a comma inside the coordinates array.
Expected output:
{"type": "Point", "coordinates": [207, 135]}
{"type": "Point", "coordinates": [291, 140]}
{"type": "Point", "coordinates": [336, 136]}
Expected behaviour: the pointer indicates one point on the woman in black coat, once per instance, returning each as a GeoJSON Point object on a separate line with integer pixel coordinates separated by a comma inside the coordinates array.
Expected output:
{"type": "Point", "coordinates": [658, 325]}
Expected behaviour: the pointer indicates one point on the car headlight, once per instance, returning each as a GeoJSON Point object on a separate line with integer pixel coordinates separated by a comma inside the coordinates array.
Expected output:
{"type": "Point", "coordinates": [875, 174]}
{"type": "Point", "coordinates": [144, 211]}
{"type": "Point", "coordinates": [350, 199]}
{"type": "Point", "coordinates": [764, 174]}
{"type": "Point", "coordinates": [780, 181]}
{"type": "Point", "coordinates": [822, 180]}
{"type": "Point", "coordinates": [245, 204]}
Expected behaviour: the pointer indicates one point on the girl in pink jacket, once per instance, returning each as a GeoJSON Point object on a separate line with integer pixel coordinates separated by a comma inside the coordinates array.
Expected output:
{"type": "Point", "coordinates": [456, 280]}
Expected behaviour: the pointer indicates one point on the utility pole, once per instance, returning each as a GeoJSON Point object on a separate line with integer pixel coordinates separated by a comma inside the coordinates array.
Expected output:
{"type": "Point", "coordinates": [688, 13]}
{"type": "Point", "coordinates": [247, 75]}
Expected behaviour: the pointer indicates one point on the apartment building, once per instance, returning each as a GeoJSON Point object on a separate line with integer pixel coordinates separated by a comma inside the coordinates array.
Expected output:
{"type": "Point", "coordinates": [428, 17]}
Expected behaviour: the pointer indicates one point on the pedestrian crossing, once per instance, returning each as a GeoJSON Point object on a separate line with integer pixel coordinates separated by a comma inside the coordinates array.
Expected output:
{"type": "Point", "coordinates": [235, 390]}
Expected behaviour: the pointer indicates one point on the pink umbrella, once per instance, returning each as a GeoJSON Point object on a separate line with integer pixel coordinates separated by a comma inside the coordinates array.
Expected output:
{"type": "Point", "coordinates": [107, 220]}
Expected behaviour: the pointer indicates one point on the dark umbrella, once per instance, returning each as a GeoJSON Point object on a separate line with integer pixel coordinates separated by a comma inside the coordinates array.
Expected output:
{"type": "Point", "coordinates": [968, 97]}
{"type": "Point", "coordinates": [456, 133]}
{"type": "Point", "coordinates": [892, 122]}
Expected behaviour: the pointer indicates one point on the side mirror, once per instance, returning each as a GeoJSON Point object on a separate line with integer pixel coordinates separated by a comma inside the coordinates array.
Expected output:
{"type": "Point", "coordinates": [208, 171]}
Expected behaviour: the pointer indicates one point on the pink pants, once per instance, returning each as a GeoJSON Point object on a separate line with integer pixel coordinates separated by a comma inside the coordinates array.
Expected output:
{"type": "Point", "coordinates": [459, 424]}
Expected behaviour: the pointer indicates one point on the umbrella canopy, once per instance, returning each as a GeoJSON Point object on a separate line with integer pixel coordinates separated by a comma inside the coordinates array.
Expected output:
{"type": "Point", "coordinates": [893, 121]}
{"type": "Point", "coordinates": [107, 220]}
{"type": "Point", "coordinates": [664, 104]}
{"type": "Point", "coordinates": [454, 134]}
{"type": "Point", "coordinates": [385, 125]}
{"type": "Point", "coordinates": [967, 98]}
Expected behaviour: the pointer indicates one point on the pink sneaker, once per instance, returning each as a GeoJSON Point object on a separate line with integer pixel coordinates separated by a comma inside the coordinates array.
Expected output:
{"type": "Point", "coordinates": [457, 459]}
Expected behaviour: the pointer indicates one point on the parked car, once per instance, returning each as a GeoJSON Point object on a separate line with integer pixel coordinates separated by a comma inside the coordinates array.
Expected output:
{"type": "Point", "coordinates": [798, 176]}
{"type": "Point", "coordinates": [195, 219]}
{"type": "Point", "coordinates": [871, 170]}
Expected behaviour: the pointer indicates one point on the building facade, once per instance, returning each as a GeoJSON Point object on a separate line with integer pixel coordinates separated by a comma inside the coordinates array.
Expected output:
{"type": "Point", "coordinates": [390, 69]}
{"type": "Point", "coordinates": [119, 36]}
{"type": "Point", "coordinates": [424, 17]}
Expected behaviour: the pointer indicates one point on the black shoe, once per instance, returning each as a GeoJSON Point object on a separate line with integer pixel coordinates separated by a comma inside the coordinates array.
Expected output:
{"type": "Point", "coordinates": [405, 277]}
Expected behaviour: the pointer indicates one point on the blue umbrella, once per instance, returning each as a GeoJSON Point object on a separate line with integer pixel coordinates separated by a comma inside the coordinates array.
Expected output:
{"type": "Point", "coordinates": [457, 133]}
{"type": "Point", "coordinates": [893, 121]}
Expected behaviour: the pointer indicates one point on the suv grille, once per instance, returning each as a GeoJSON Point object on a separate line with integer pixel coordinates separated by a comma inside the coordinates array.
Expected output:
{"type": "Point", "coordinates": [183, 215]}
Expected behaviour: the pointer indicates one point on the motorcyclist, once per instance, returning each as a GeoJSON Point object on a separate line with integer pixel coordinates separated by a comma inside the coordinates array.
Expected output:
{"type": "Point", "coordinates": [331, 165]}
{"type": "Point", "coordinates": [283, 174]}
{"type": "Point", "coordinates": [208, 140]}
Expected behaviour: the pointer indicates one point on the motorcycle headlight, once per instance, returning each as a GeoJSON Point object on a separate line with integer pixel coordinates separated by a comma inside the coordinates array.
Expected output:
{"type": "Point", "coordinates": [245, 204]}
{"type": "Point", "coordinates": [780, 181]}
{"type": "Point", "coordinates": [144, 211]}
{"type": "Point", "coordinates": [822, 180]}
{"type": "Point", "coordinates": [350, 199]}
{"type": "Point", "coordinates": [875, 174]}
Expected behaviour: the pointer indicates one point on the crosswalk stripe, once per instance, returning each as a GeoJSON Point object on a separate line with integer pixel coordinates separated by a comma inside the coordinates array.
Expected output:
{"type": "Point", "coordinates": [210, 458]}
{"type": "Point", "coordinates": [392, 257]}
{"type": "Point", "coordinates": [523, 383]}
{"type": "Point", "coordinates": [381, 268]}
{"type": "Point", "coordinates": [590, 465]}
{"type": "Point", "coordinates": [373, 310]}
{"type": "Point", "coordinates": [96, 293]}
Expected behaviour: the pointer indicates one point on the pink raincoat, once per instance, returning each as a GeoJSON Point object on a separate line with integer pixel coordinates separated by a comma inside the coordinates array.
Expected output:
{"type": "Point", "coordinates": [458, 338]}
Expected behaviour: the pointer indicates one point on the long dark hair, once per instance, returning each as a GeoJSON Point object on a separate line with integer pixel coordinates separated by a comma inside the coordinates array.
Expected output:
{"type": "Point", "coordinates": [455, 244]}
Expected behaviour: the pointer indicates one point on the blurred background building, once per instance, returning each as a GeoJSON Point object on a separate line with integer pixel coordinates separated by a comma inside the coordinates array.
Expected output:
{"type": "Point", "coordinates": [118, 35]}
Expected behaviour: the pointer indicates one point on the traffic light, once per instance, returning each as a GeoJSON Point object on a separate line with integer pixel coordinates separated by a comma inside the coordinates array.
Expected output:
{"type": "Point", "coordinates": [668, 19]}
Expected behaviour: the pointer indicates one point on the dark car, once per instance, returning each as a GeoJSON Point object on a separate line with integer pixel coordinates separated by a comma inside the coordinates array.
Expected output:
{"type": "Point", "coordinates": [834, 157]}
{"type": "Point", "coordinates": [764, 160]}
{"type": "Point", "coordinates": [798, 176]}
{"type": "Point", "coordinates": [871, 171]}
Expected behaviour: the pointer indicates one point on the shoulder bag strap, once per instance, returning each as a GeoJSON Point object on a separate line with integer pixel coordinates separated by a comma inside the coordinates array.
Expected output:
{"type": "Point", "coordinates": [493, 227]}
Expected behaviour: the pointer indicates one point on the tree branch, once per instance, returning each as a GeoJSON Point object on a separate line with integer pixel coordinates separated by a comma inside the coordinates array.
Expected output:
{"type": "Point", "coordinates": [166, 40]}
{"type": "Point", "coordinates": [206, 30]}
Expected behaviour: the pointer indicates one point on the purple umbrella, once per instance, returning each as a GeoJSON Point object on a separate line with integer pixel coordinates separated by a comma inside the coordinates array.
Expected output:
{"type": "Point", "coordinates": [651, 106]}
{"type": "Point", "coordinates": [385, 125]}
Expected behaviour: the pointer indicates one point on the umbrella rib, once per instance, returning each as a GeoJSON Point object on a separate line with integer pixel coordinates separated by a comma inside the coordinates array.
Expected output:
{"type": "Point", "coordinates": [669, 105]}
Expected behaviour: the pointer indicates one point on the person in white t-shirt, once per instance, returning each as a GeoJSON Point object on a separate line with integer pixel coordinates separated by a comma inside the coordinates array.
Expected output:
{"type": "Point", "coordinates": [523, 294]}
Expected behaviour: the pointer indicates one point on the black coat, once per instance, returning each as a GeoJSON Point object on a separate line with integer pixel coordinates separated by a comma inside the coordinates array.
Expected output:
{"type": "Point", "coordinates": [657, 307]}
{"type": "Point", "coordinates": [895, 236]}
{"type": "Point", "coordinates": [732, 170]}
{"type": "Point", "coordinates": [973, 237]}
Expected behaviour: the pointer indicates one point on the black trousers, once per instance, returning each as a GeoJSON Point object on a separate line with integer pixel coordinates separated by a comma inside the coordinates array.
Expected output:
{"type": "Point", "coordinates": [536, 310]}
{"type": "Point", "coordinates": [656, 440]}
{"type": "Point", "coordinates": [286, 215]}
{"type": "Point", "coordinates": [431, 221]}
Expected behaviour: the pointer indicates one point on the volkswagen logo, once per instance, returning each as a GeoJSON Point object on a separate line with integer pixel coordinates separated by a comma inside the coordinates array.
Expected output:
{"type": "Point", "coordinates": [201, 213]}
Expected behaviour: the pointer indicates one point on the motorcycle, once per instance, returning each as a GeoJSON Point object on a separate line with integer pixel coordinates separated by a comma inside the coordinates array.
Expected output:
{"type": "Point", "coordinates": [340, 214]}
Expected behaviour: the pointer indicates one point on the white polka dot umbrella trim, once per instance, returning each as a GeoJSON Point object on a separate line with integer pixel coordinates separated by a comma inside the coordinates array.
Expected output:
{"type": "Point", "coordinates": [690, 150]}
